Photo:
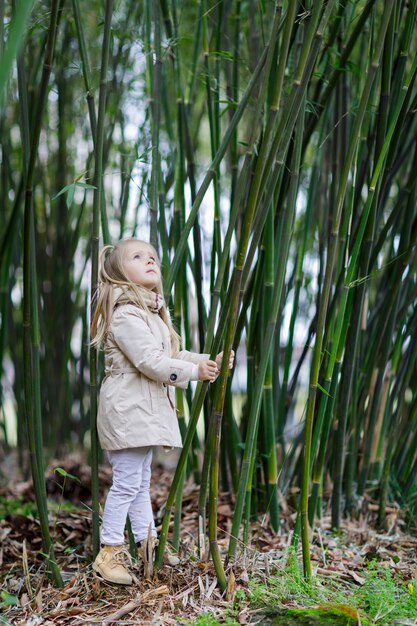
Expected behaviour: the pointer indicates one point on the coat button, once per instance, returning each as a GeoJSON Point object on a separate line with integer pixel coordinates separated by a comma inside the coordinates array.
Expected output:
{"type": "Point", "coordinates": [173, 377]}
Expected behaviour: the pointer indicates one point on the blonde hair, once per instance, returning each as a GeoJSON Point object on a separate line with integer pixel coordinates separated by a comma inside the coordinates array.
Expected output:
{"type": "Point", "coordinates": [111, 274]}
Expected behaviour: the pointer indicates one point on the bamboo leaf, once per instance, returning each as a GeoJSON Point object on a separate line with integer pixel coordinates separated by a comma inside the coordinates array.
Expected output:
{"type": "Point", "coordinates": [63, 472]}
{"type": "Point", "coordinates": [14, 41]}
{"type": "Point", "coordinates": [63, 190]}
{"type": "Point", "coordinates": [70, 196]}
{"type": "Point", "coordinates": [324, 390]}
{"type": "Point", "coordinates": [85, 185]}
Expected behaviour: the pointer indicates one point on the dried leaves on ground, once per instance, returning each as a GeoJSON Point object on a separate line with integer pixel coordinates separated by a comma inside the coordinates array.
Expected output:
{"type": "Point", "coordinates": [174, 594]}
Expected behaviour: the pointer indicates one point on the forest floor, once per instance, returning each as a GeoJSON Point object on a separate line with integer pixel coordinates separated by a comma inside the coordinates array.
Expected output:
{"type": "Point", "coordinates": [361, 576]}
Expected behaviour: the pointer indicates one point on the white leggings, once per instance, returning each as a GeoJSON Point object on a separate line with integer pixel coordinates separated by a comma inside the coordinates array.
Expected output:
{"type": "Point", "coordinates": [129, 494]}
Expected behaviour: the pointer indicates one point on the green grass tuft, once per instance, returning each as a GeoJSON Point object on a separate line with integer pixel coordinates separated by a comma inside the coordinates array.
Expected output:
{"type": "Point", "coordinates": [380, 600]}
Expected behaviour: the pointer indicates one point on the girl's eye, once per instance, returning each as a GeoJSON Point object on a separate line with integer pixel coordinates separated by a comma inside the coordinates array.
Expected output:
{"type": "Point", "coordinates": [137, 256]}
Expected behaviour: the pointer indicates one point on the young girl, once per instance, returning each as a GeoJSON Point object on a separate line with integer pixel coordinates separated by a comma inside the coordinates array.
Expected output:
{"type": "Point", "coordinates": [137, 403]}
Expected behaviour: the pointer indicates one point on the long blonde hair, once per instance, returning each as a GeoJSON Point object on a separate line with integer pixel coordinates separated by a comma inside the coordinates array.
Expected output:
{"type": "Point", "coordinates": [111, 274]}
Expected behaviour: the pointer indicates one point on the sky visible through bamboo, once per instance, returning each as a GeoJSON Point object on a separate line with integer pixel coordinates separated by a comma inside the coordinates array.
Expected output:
{"type": "Point", "coordinates": [269, 150]}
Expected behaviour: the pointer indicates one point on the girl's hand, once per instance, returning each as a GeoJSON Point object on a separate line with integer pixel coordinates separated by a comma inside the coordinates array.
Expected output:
{"type": "Point", "coordinates": [208, 370]}
{"type": "Point", "coordinates": [219, 359]}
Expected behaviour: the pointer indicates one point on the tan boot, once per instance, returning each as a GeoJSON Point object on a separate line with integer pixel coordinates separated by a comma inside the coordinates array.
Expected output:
{"type": "Point", "coordinates": [110, 564]}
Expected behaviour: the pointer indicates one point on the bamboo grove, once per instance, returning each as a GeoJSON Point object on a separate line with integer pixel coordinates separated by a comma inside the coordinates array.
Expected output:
{"type": "Point", "coordinates": [269, 151]}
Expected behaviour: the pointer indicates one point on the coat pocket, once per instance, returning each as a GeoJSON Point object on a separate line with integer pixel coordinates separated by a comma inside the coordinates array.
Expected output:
{"type": "Point", "coordinates": [171, 396]}
{"type": "Point", "coordinates": [154, 393]}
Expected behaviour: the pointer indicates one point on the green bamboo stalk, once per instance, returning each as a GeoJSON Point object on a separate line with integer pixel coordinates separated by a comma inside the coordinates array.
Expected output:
{"type": "Point", "coordinates": [352, 342]}
{"type": "Point", "coordinates": [393, 425]}
{"type": "Point", "coordinates": [190, 96]}
{"type": "Point", "coordinates": [326, 288]}
{"type": "Point", "coordinates": [255, 315]}
{"type": "Point", "coordinates": [234, 96]}
{"type": "Point", "coordinates": [409, 479]}
{"type": "Point", "coordinates": [178, 499]}
{"type": "Point", "coordinates": [396, 118]}
{"type": "Point", "coordinates": [14, 42]}
{"type": "Point", "coordinates": [204, 484]}
{"type": "Point", "coordinates": [270, 450]}
{"type": "Point", "coordinates": [98, 175]}
{"type": "Point", "coordinates": [230, 332]}
{"type": "Point", "coordinates": [211, 171]}
{"type": "Point", "coordinates": [85, 67]}
{"type": "Point", "coordinates": [30, 307]}
{"type": "Point", "coordinates": [86, 70]}
{"type": "Point", "coordinates": [10, 231]}
{"type": "Point", "coordinates": [212, 111]}
{"type": "Point", "coordinates": [177, 515]}
{"type": "Point", "coordinates": [320, 102]}
{"type": "Point", "coordinates": [154, 102]}
{"type": "Point", "coordinates": [337, 332]}
{"type": "Point", "coordinates": [283, 393]}
{"type": "Point", "coordinates": [383, 358]}
{"type": "Point", "coordinates": [180, 289]}
{"type": "Point", "coordinates": [231, 435]}
{"type": "Point", "coordinates": [248, 457]}
{"type": "Point", "coordinates": [183, 111]}
{"type": "Point", "coordinates": [213, 504]}
{"type": "Point", "coordinates": [201, 388]}
{"type": "Point", "coordinates": [308, 63]}
{"type": "Point", "coordinates": [292, 196]}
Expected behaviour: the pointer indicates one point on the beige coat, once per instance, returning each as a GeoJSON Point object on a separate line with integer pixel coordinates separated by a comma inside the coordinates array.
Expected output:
{"type": "Point", "coordinates": [137, 399]}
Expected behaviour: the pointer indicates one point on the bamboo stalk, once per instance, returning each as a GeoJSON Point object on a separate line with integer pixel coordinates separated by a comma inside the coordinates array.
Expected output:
{"type": "Point", "coordinates": [155, 117]}
{"type": "Point", "coordinates": [274, 312]}
{"type": "Point", "coordinates": [14, 42]}
{"type": "Point", "coordinates": [270, 450]}
{"type": "Point", "coordinates": [30, 309]}
{"type": "Point", "coordinates": [202, 387]}
{"type": "Point", "coordinates": [210, 173]}
{"type": "Point", "coordinates": [98, 175]}
{"type": "Point", "coordinates": [326, 290]}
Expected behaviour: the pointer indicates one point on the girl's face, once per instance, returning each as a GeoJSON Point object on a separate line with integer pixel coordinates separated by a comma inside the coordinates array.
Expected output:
{"type": "Point", "coordinates": [141, 265]}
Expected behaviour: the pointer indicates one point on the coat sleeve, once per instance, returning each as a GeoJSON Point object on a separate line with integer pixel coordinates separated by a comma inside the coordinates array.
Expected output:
{"type": "Point", "coordinates": [135, 339]}
{"type": "Point", "coordinates": [193, 357]}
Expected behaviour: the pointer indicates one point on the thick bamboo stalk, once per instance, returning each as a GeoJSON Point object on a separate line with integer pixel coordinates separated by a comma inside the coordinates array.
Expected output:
{"type": "Point", "coordinates": [326, 290]}
{"type": "Point", "coordinates": [85, 67]}
{"type": "Point", "coordinates": [352, 340]}
{"type": "Point", "coordinates": [154, 102]}
{"type": "Point", "coordinates": [304, 71]}
{"type": "Point", "coordinates": [336, 74]}
{"type": "Point", "coordinates": [98, 175]}
{"type": "Point", "coordinates": [202, 387]}
{"type": "Point", "coordinates": [270, 449]}
{"type": "Point", "coordinates": [183, 111]}
{"type": "Point", "coordinates": [230, 332]}
{"type": "Point", "coordinates": [30, 308]}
